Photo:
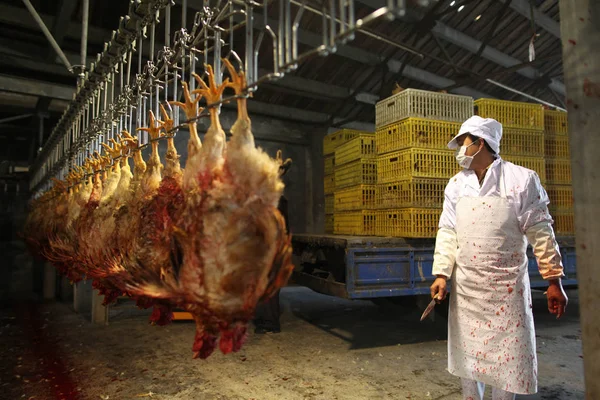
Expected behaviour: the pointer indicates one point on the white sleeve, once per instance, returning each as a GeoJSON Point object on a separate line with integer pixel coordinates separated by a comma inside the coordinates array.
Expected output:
{"type": "Point", "coordinates": [536, 223]}
{"type": "Point", "coordinates": [446, 242]}
{"type": "Point", "coordinates": [448, 217]}
{"type": "Point", "coordinates": [533, 204]}
{"type": "Point", "coordinates": [541, 238]}
{"type": "Point", "coordinates": [444, 257]}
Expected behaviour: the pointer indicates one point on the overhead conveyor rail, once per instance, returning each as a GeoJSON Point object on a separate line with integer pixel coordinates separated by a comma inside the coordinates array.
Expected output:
{"type": "Point", "coordinates": [112, 97]}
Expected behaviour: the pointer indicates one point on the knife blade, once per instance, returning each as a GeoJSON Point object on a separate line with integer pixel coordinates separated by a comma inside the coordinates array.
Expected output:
{"type": "Point", "coordinates": [430, 307]}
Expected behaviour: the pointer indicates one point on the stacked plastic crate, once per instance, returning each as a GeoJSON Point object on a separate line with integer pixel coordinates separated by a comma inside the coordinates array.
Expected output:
{"type": "Point", "coordinates": [523, 131]}
{"type": "Point", "coordinates": [414, 165]}
{"type": "Point", "coordinates": [558, 171]}
{"type": "Point", "coordinates": [355, 178]}
{"type": "Point", "coordinates": [330, 143]}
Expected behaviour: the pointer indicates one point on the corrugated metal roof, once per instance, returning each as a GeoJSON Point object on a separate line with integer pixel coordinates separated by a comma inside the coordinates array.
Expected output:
{"type": "Point", "coordinates": [477, 20]}
{"type": "Point", "coordinates": [513, 33]}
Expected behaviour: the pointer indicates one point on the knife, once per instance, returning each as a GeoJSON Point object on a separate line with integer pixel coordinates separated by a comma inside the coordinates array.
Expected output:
{"type": "Point", "coordinates": [428, 309]}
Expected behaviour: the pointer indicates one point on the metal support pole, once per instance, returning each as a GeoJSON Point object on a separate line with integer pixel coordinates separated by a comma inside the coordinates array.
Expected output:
{"type": "Point", "coordinates": [183, 13]}
{"type": "Point", "coordinates": [580, 35]}
{"type": "Point", "coordinates": [48, 35]}
{"type": "Point", "coordinates": [493, 82]}
{"type": "Point", "coordinates": [41, 131]}
{"type": "Point", "coordinates": [84, 34]}
{"type": "Point", "coordinates": [15, 118]}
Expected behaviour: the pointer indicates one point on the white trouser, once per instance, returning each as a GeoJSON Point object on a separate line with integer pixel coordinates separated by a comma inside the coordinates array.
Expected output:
{"type": "Point", "coordinates": [473, 390]}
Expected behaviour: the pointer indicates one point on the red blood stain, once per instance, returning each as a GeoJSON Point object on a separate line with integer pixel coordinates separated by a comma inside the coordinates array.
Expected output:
{"type": "Point", "coordinates": [583, 246]}
{"type": "Point", "coordinates": [45, 348]}
{"type": "Point", "coordinates": [572, 42]}
{"type": "Point", "coordinates": [590, 88]}
{"type": "Point", "coordinates": [582, 19]}
{"type": "Point", "coordinates": [510, 290]}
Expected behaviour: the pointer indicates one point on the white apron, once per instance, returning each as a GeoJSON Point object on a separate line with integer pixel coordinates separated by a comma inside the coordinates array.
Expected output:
{"type": "Point", "coordinates": [491, 337]}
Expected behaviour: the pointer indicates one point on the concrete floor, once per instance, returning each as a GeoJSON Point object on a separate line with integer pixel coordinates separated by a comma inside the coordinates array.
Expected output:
{"type": "Point", "coordinates": [329, 349]}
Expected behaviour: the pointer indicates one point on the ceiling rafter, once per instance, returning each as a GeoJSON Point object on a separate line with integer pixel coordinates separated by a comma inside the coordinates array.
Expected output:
{"type": "Point", "coordinates": [473, 45]}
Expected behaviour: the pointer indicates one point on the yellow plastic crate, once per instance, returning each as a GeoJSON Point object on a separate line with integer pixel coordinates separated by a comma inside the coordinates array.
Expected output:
{"type": "Point", "coordinates": [555, 122]}
{"type": "Point", "coordinates": [561, 196]}
{"type": "Point", "coordinates": [408, 222]}
{"type": "Point", "coordinates": [564, 222]}
{"type": "Point", "coordinates": [360, 197]}
{"type": "Point", "coordinates": [416, 163]}
{"type": "Point", "coordinates": [558, 171]}
{"type": "Point", "coordinates": [354, 223]}
{"type": "Point", "coordinates": [329, 164]}
{"type": "Point", "coordinates": [360, 147]}
{"type": "Point", "coordinates": [329, 204]}
{"type": "Point", "coordinates": [415, 132]}
{"type": "Point", "coordinates": [329, 223]}
{"type": "Point", "coordinates": [522, 142]}
{"type": "Point", "coordinates": [423, 104]}
{"type": "Point", "coordinates": [424, 193]}
{"type": "Point", "coordinates": [329, 184]}
{"type": "Point", "coordinates": [536, 164]}
{"type": "Point", "coordinates": [557, 146]}
{"type": "Point", "coordinates": [511, 114]}
{"type": "Point", "coordinates": [338, 138]}
{"type": "Point", "coordinates": [360, 172]}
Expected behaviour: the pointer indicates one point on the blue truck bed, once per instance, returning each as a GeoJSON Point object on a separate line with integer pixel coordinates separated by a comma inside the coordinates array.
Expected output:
{"type": "Point", "coordinates": [367, 267]}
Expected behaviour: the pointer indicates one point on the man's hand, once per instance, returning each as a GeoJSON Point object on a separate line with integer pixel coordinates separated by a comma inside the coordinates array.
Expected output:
{"type": "Point", "coordinates": [438, 289]}
{"type": "Point", "coordinates": [557, 298]}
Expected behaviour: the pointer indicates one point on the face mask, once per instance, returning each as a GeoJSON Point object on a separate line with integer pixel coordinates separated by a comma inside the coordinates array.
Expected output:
{"type": "Point", "coordinates": [463, 159]}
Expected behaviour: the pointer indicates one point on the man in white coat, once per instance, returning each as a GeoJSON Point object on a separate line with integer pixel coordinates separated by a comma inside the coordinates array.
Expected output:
{"type": "Point", "coordinates": [492, 208]}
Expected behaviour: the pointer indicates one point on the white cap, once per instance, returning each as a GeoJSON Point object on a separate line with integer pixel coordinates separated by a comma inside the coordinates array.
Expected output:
{"type": "Point", "coordinates": [486, 128]}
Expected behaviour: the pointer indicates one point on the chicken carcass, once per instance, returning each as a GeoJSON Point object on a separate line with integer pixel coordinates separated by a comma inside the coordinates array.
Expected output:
{"type": "Point", "coordinates": [56, 247]}
{"type": "Point", "coordinates": [235, 246]}
{"type": "Point", "coordinates": [111, 251]}
{"type": "Point", "coordinates": [208, 239]}
{"type": "Point", "coordinates": [156, 254]}
{"type": "Point", "coordinates": [89, 227]}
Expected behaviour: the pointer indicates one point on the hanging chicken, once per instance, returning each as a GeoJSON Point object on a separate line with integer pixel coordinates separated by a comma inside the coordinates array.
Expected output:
{"type": "Point", "coordinates": [231, 233]}
{"type": "Point", "coordinates": [208, 238]}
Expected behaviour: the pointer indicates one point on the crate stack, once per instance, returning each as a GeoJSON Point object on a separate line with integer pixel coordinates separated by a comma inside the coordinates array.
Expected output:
{"type": "Point", "coordinates": [355, 179]}
{"type": "Point", "coordinates": [537, 139]}
{"type": "Point", "coordinates": [523, 131]}
{"type": "Point", "coordinates": [414, 164]}
{"type": "Point", "coordinates": [558, 172]}
{"type": "Point", "coordinates": [330, 143]}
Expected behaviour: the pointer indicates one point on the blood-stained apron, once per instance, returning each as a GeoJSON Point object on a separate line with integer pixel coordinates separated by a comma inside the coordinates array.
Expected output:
{"type": "Point", "coordinates": [491, 337]}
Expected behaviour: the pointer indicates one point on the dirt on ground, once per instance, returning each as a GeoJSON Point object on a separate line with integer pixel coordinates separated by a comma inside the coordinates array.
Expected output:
{"type": "Point", "coordinates": [328, 349]}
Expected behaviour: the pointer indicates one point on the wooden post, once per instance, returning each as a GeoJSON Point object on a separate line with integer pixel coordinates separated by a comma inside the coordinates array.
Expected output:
{"type": "Point", "coordinates": [99, 312]}
{"type": "Point", "coordinates": [580, 35]}
{"type": "Point", "coordinates": [76, 290]}
{"type": "Point", "coordinates": [49, 282]}
{"type": "Point", "coordinates": [82, 297]}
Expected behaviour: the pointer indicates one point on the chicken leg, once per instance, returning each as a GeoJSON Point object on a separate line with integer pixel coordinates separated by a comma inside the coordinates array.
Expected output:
{"type": "Point", "coordinates": [190, 107]}
{"type": "Point", "coordinates": [152, 177]}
